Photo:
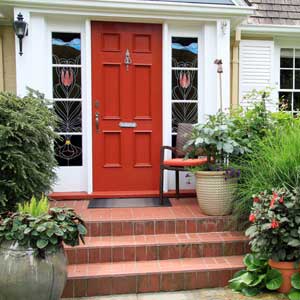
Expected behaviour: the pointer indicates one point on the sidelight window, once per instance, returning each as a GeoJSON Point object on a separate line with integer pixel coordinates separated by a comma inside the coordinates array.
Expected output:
{"type": "Point", "coordinates": [184, 82]}
{"type": "Point", "coordinates": [67, 97]}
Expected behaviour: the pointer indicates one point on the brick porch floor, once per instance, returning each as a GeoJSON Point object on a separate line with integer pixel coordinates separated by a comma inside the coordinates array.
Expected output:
{"type": "Point", "coordinates": [134, 250]}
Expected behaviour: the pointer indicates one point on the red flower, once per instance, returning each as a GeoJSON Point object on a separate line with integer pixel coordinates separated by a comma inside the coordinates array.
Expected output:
{"type": "Point", "coordinates": [274, 224]}
{"type": "Point", "coordinates": [275, 196]}
{"type": "Point", "coordinates": [252, 218]}
{"type": "Point", "coordinates": [281, 200]}
{"type": "Point", "coordinates": [256, 200]}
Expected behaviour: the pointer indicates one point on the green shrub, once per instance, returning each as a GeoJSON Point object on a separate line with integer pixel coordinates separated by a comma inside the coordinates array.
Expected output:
{"type": "Point", "coordinates": [26, 148]}
{"type": "Point", "coordinates": [274, 163]}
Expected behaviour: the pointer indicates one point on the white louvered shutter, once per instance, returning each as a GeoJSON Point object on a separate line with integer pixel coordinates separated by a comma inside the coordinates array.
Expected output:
{"type": "Point", "coordinates": [256, 67]}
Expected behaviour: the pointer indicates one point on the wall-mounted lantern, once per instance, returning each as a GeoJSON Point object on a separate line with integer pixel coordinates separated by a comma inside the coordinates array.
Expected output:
{"type": "Point", "coordinates": [21, 30]}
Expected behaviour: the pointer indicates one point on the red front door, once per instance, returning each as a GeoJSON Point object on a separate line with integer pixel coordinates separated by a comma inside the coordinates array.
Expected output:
{"type": "Point", "coordinates": [127, 107]}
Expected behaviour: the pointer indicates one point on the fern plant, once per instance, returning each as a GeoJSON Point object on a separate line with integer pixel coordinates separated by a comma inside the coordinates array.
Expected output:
{"type": "Point", "coordinates": [35, 207]}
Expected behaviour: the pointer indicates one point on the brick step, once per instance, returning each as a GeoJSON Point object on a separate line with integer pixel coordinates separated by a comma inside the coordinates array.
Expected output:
{"type": "Point", "coordinates": [156, 225]}
{"type": "Point", "coordinates": [158, 247]}
{"type": "Point", "coordinates": [87, 280]}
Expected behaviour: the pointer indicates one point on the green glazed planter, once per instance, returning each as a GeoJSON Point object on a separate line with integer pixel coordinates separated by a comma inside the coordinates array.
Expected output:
{"type": "Point", "coordinates": [23, 275]}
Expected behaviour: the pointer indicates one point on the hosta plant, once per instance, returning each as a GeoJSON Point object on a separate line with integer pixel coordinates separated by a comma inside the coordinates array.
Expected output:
{"type": "Point", "coordinates": [39, 227]}
{"type": "Point", "coordinates": [256, 278]}
{"type": "Point", "coordinates": [294, 294]}
{"type": "Point", "coordinates": [275, 228]}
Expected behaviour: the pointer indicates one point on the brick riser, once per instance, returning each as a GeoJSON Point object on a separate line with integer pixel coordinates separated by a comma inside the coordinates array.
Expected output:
{"type": "Point", "coordinates": [147, 283]}
{"type": "Point", "coordinates": [155, 252]}
{"type": "Point", "coordinates": [166, 279]}
{"type": "Point", "coordinates": [142, 227]}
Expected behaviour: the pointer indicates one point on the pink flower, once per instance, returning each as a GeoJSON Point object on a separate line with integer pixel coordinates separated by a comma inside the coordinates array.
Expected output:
{"type": "Point", "coordinates": [184, 80]}
{"type": "Point", "coordinates": [66, 77]}
{"type": "Point", "coordinates": [281, 200]}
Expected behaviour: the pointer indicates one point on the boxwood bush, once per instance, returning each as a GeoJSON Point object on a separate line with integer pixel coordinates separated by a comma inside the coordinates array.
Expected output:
{"type": "Point", "coordinates": [26, 148]}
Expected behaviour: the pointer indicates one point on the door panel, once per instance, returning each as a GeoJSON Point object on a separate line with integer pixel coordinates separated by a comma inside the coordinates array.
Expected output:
{"type": "Point", "coordinates": [126, 158]}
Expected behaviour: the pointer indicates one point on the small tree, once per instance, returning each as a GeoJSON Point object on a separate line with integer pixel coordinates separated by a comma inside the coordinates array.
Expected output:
{"type": "Point", "coordinates": [27, 158]}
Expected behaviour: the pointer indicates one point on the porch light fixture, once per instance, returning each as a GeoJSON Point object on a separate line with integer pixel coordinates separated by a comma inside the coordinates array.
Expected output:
{"type": "Point", "coordinates": [21, 30]}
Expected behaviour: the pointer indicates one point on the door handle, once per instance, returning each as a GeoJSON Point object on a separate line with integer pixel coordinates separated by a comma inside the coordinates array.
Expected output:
{"type": "Point", "coordinates": [97, 121]}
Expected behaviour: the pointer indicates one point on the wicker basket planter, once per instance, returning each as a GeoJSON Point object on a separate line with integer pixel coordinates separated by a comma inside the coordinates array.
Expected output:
{"type": "Point", "coordinates": [214, 192]}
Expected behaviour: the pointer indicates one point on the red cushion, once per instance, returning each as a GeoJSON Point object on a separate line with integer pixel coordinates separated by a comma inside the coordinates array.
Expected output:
{"type": "Point", "coordinates": [180, 162]}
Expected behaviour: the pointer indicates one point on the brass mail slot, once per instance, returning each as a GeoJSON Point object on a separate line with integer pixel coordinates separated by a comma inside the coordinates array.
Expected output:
{"type": "Point", "coordinates": [127, 124]}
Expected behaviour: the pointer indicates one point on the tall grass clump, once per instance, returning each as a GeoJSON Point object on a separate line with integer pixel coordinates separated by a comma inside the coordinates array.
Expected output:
{"type": "Point", "coordinates": [274, 163]}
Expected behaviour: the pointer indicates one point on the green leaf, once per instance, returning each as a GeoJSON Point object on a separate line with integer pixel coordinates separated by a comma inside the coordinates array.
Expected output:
{"type": "Point", "coordinates": [82, 230]}
{"type": "Point", "coordinates": [294, 243]}
{"type": "Point", "coordinates": [41, 244]}
{"type": "Point", "coordinates": [59, 232]}
{"type": "Point", "coordinates": [247, 278]}
{"type": "Point", "coordinates": [273, 280]}
{"type": "Point", "coordinates": [258, 280]}
{"type": "Point", "coordinates": [236, 286]}
{"type": "Point", "coordinates": [27, 230]}
{"type": "Point", "coordinates": [61, 217]}
{"type": "Point", "coordinates": [296, 281]}
{"type": "Point", "coordinates": [294, 294]}
{"type": "Point", "coordinates": [228, 148]}
{"type": "Point", "coordinates": [250, 291]}
{"type": "Point", "coordinates": [238, 274]}
{"type": "Point", "coordinates": [41, 228]}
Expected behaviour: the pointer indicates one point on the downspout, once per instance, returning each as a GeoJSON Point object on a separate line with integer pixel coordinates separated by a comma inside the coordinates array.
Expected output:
{"type": "Point", "coordinates": [235, 70]}
{"type": "Point", "coordinates": [1, 65]}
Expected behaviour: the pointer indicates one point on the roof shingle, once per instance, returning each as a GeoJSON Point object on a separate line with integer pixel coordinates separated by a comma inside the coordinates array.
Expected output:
{"type": "Point", "coordinates": [275, 12]}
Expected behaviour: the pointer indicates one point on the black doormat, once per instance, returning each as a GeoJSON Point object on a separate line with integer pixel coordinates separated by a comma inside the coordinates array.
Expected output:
{"type": "Point", "coordinates": [128, 202]}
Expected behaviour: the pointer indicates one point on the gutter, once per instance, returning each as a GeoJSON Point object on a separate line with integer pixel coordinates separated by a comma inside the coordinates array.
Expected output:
{"type": "Point", "coordinates": [270, 29]}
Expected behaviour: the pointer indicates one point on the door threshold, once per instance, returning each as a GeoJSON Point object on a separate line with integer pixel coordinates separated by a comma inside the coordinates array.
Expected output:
{"type": "Point", "coordinates": [117, 194]}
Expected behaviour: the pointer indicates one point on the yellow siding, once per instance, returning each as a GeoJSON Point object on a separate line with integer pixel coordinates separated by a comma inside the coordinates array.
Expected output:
{"type": "Point", "coordinates": [7, 59]}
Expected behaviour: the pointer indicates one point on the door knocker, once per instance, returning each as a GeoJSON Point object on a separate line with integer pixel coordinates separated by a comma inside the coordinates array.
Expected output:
{"type": "Point", "coordinates": [128, 60]}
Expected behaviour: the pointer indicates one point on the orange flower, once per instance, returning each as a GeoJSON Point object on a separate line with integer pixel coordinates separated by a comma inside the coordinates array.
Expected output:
{"type": "Point", "coordinates": [274, 224]}
{"type": "Point", "coordinates": [252, 218]}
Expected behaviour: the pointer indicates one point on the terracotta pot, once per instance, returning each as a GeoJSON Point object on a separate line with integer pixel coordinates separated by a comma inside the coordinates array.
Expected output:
{"type": "Point", "coordinates": [24, 275]}
{"type": "Point", "coordinates": [287, 269]}
{"type": "Point", "coordinates": [214, 193]}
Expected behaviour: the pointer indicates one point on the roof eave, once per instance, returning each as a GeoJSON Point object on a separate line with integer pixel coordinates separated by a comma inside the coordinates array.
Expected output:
{"type": "Point", "coordinates": [156, 8]}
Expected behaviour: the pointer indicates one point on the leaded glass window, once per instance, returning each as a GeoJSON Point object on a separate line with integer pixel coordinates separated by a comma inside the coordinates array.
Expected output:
{"type": "Point", "coordinates": [184, 82]}
{"type": "Point", "coordinates": [289, 92]}
{"type": "Point", "coordinates": [67, 97]}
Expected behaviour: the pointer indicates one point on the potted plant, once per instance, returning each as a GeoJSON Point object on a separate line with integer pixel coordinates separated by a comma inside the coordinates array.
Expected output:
{"type": "Point", "coordinates": [275, 233]}
{"type": "Point", "coordinates": [32, 260]}
{"type": "Point", "coordinates": [216, 181]}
